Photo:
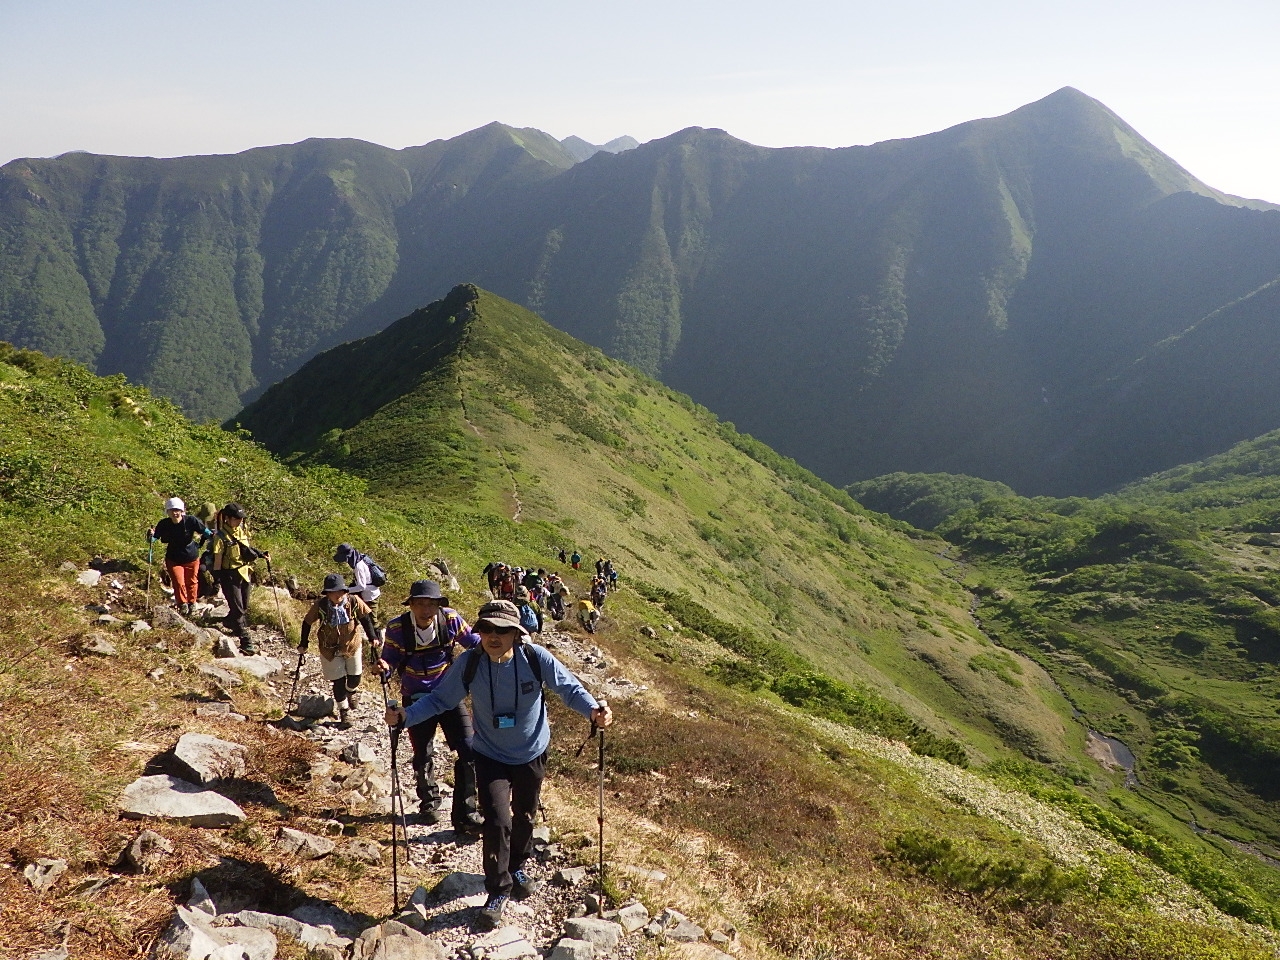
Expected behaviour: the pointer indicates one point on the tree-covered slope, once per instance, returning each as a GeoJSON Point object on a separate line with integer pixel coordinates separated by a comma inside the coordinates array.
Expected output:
{"type": "Point", "coordinates": [205, 277]}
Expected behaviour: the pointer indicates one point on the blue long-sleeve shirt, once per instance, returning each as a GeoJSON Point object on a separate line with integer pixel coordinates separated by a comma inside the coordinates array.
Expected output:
{"type": "Point", "coordinates": [515, 690]}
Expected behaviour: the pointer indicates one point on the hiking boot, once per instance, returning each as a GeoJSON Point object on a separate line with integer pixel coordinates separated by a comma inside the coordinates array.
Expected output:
{"type": "Point", "coordinates": [472, 824]}
{"type": "Point", "coordinates": [490, 914]}
{"type": "Point", "coordinates": [429, 814]}
{"type": "Point", "coordinates": [353, 699]}
{"type": "Point", "coordinates": [344, 717]}
{"type": "Point", "coordinates": [247, 647]}
{"type": "Point", "coordinates": [523, 886]}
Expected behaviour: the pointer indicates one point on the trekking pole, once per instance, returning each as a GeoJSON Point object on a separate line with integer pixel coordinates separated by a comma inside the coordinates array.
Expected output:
{"type": "Point", "coordinates": [397, 800]}
{"type": "Point", "coordinates": [297, 675]}
{"type": "Point", "coordinates": [597, 731]}
{"type": "Point", "coordinates": [151, 545]}
{"type": "Point", "coordinates": [600, 818]}
{"type": "Point", "coordinates": [284, 634]}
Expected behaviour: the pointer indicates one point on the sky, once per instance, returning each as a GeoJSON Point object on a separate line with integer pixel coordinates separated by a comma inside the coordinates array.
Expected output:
{"type": "Point", "coordinates": [1201, 81]}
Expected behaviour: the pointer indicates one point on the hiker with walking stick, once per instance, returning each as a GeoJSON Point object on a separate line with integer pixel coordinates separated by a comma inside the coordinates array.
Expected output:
{"type": "Point", "coordinates": [183, 535]}
{"type": "Point", "coordinates": [233, 560]}
{"type": "Point", "coordinates": [340, 614]}
{"type": "Point", "coordinates": [419, 647]}
{"type": "Point", "coordinates": [505, 678]}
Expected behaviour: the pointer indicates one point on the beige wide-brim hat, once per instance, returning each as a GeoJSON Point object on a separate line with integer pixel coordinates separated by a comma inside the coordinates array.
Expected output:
{"type": "Point", "coordinates": [500, 613]}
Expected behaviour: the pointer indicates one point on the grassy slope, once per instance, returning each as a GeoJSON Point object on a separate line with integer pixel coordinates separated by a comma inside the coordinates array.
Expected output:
{"type": "Point", "coordinates": [932, 861]}
{"type": "Point", "coordinates": [618, 465]}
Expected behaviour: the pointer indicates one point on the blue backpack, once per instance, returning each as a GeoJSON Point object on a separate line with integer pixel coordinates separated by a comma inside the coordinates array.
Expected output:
{"type": "Point", "coordinates": [528, 618]}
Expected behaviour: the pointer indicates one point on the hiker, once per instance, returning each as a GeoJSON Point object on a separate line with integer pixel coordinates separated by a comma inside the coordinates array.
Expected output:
{"type": "Point", "coordinates": [505, 678]}
{"type": "Point", "coordinates": [341, 611]}
{"type": "Point", "coordinates": [233, 560]}
{"type": "Point", "coordinates": [493, 575]}
{"type": "Point", "coordinates": [530, 612]}
{"type": "Point", "coordinates": [556, 603]}
{"type": "Point", "coordinates": [599, 566]}
{"type": "Point", "coordinates": [364, 579]}
{"type": "Point", "coordinates": [575, 561]}
{"type": "Point", "coordinates": [207, 513]}
{"type": "Point", "coordinates": [598, 592]}
{"type": "Point", "coordinates": [588, 615]}
{"type": "Point", "coordinates": [419, 647]}
{"type": "Point", "coordinates": [183, 535]}
{"type": "Point", "coordinates": [561, 554]}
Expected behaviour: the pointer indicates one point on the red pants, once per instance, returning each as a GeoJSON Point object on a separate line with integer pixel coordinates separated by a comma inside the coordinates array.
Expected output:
{"type": "Point", "coordinates": [186, 580]}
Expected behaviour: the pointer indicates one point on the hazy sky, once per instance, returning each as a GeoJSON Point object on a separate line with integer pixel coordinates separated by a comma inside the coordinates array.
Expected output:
{"type": "Point", "coordinates": [140, 77]}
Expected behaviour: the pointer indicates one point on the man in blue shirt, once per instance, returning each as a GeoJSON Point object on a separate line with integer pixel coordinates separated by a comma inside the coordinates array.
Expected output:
{"type": "Point", "coordinates": [505, 679]}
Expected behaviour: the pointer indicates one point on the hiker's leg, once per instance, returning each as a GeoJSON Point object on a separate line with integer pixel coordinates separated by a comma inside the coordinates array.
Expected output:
{"type": "Point", "coordinates": [423, 736]}
{"type": "Point", "coordinates": [235, 590]}
{"type": "Point", "coordinates": [456, 724]}
{"type": "Point", "coordinates": [526, 788]}
{"type": "Point", "coordinates": [494, 782]}
{"type": "Point", "coordinates": [184, 581]}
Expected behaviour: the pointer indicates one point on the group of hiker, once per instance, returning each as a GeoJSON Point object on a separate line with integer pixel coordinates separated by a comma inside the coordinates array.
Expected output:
{"type": "Point", "coordinates": [500, 743]}
{"type": "Point", "coordinates": [206, 553]}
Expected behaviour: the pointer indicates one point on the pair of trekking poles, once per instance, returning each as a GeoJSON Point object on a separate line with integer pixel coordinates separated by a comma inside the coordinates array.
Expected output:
{"type": "Point", "coordinates": [398, 814]}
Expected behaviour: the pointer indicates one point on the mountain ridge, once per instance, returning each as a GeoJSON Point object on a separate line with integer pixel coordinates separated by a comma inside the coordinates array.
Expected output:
{"type": "Point", "coordinates": [973, 301]}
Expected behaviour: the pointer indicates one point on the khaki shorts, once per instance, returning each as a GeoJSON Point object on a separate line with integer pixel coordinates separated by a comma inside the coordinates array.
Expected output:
{"type": "Point", "coordinates": [340, 667]}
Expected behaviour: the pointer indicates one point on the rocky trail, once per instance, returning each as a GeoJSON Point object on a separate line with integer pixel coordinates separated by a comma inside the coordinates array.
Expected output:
{"type": "Point", "coordinates": [353, 768]}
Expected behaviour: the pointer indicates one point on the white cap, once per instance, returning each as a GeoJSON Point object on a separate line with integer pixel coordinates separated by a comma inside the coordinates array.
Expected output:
{"type": "Point", "coordinates": [173, 503]}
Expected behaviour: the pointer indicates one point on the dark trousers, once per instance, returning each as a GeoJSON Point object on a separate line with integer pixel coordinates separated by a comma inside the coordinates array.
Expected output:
{"type": "Point", "coordinates": [509, 801]}
{"type": "Point", "coordinates": [456, 724]}
{"type": "Point", "coordinates": [235, 589]}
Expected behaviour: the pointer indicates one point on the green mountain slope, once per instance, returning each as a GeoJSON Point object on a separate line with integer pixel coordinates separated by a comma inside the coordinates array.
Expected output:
{"type": "Point", "coordinates": [476, 398]}
{"type": "Point", "coordinates": [1154, 609]}
{"type": "Point", "coordinates": [737, 796]}
{"type": "Point", "coordinates": [1031, 298]}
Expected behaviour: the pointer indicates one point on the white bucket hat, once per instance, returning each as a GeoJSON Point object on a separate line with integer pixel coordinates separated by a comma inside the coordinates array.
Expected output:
{"type": "Point", "coordinates": [173, 503]}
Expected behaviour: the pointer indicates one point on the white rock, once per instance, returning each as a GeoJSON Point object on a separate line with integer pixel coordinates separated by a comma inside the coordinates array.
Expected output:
{"type": "Point", "coordinates": [633, 917]}
{"type": "Point", "coordinates": [359, 752]}
{"type": "Point", "coordinates": [603, 934]}
{"type": "Point", "coordinates": [224, 677]}
{"type": "Point", "coordinates": [88, 578]}
{"type": "Point", "coordinates": [200, 900]}
{"type": "Point", "coordinates": [256, 666]}
{"type": "Point", "coordinates": [201, 758]}
{"type": "Point", "coordinates": [168, 798]}
{"type": "Point", "coordinates": [139, 626]}
{"type": "Point", "coordinates": [306, 846]}
{"type": "Point", "coordinates": [505, 943]}
{"type": "Point", "coordinates": [570, 949]}
{"type": "Point", "coordinates": [100, 646]}
{"type": "Point", "coordinates": [44, 873]}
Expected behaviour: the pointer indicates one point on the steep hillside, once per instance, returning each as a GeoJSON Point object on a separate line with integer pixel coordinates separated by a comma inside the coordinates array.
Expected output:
{"type": "Point", "coordinates": [736, 796]}
{"type": "Point", "coordinates": [476, 399]}
{"type": "Point", "coordinates": [1030, 298]}
{"type": "Point", "coordinates": [207, 276]}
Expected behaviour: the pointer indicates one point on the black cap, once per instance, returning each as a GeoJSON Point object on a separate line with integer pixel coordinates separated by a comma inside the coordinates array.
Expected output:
{"type": "Point", "coordinates": [334, 583]}
{"type": "Point", "coordinates": [343, 553]}
{"type": "Point", "coordinates": [234, 510]}
{"type": "Point", "coordinates": [425, 589]}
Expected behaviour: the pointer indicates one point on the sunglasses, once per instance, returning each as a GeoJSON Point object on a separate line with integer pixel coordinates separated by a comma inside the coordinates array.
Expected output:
{"type": "Point", "coordinates": [490, 628]}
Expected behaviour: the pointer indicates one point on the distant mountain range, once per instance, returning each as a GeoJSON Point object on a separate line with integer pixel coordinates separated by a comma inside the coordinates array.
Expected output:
{"type": "Point", "coordinates": [1042, 299]}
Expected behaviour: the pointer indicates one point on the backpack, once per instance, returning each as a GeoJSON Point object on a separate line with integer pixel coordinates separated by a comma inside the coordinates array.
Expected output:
{"type": "Point", "coordinates": [528, 618]}
{"type": "Point", "coordinates": [377, 576]}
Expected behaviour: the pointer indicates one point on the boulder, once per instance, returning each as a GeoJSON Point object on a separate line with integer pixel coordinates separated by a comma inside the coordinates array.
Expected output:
{"type": "Point", "coordinates": [570, 949]}
{"type": "Point", "coordinates": [201, 758]}
{"type": "Point", "coordinates": [98, 645]}
{"type": "Point", "coordinates": [146, 852]}
{"type": "Point", "coordinates": [257, 666]}
{"type": "Point", "coordinates": [569, 876]}
{"type": "Point", "coordinates": [224, 678]}
{"type": "Point", "coordinates": [457, 885]}
{"type": "Point", "coordinates": [633, 917]}
{"type": "Point", "coordinates": [168, 798]}
{"type": "Point", "coordinates": [224, 648]}
{"type": "Point", "coordinates": [306, 846]}
{"type": "Point", "coordinates": [602, 934]}
{"type": "Point", "coordinates": [394, 941]}
{"type": "Point", "coordinates": [199, 899]}
{"type": "Point", "coordinates": [166, 618]}
{"type": "Point", "coordinates": [192, 936]}
{"type": "Point", "coordinates": [685, 931]}
{"type": "Point", "coordinates": [319, 913]}
{"type": "Point", "coordinates": [307, 936]}
{"type": "Point", "coordinates": [88, 578]}
{"type": "Point", "coordinates": [366, 851]}
{"type": "Point", "coordinates": [44, 873]}
{"type": "Point", "coordinates": [359, 752]}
